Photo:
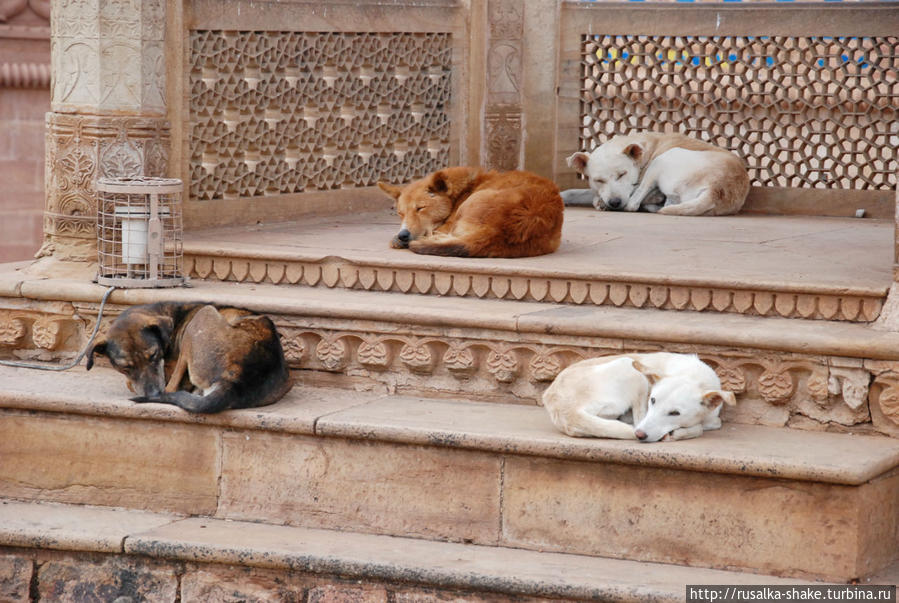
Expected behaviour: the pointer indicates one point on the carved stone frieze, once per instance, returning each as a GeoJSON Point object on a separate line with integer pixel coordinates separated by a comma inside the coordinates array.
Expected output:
{"type": "Point", "coordinates": [82, 148]}
{"type": "Point", "coordinates": [537, 288]}
{"type": "Point", "coordinates": [773, 388]}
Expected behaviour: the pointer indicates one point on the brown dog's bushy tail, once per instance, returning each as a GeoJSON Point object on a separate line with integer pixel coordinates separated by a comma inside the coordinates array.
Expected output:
{"type": "Point", "coordinates": [450, 246]}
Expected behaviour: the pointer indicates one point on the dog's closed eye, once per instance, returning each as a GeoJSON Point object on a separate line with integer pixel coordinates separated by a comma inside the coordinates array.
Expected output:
{"type": "Point", "coordinates": [674, 413]}
{"type": "Point", "coordinates": [620, 175]}
{"type": "Point", "coordinates": [599, 181]}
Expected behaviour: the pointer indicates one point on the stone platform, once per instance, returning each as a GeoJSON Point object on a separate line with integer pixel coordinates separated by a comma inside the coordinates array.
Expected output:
{"type": "Point", "coordinates": [415, 424]}
{"type": "Point", "coordinates": [785, 266]}
{"type": "Point", "coordinates": [770, 501]}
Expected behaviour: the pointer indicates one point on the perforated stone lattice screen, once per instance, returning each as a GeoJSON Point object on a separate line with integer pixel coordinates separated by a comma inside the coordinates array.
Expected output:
{"type": "Point", "coordinates": [807, 112]}
{"type": "Point", "coordinates": [292, 112]}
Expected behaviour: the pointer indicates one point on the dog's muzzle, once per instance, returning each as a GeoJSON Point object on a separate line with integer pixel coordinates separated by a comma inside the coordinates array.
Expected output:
{"type": "Point", "coordinates": [402, 238]}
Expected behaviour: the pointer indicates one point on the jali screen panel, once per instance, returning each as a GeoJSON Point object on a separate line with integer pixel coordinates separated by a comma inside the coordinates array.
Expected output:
{"type": "Point", "coordinates": [807, 112]}
{"type": "Point", "coordinates": [292, 112]}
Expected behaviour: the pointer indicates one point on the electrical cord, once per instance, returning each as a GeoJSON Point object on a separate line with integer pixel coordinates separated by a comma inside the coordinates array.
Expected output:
{"type": "Point", "coordinates": [55, 367]}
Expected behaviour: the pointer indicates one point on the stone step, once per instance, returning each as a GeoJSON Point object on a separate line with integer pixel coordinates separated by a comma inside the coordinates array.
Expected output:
{"type": "Point", "coordinates": [749, 498]}
{"type": "Point", "coordinates": [781, 266]}
{"type": "Point", "coordinates": [786, 372]}
{"type": "Point", "coordinates": [55, 551]}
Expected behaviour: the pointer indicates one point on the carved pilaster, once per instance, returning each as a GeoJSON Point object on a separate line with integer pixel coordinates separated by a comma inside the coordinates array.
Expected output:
{"type": "Point", "coordinates": [108, 106]}
{"type": "Point", "coordinates": [503, 121]}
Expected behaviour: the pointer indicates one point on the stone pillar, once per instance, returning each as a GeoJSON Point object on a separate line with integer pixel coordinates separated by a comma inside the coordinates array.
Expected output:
{"type": "Point", "coordinates": [503, 132]}
{"type": "Point", "coordinates": [107, 115]}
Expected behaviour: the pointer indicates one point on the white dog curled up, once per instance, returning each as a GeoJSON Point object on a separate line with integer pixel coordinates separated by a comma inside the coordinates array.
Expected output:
{"type": "Point", "coordinates": [666, 173]}
{"type": "Point", "coordinates": [648, 397]}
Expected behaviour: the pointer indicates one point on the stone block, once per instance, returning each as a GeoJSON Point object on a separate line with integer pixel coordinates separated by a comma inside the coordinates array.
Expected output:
{"type": "Point", "coordinates": [233, 585]}
{"type": "Point", "coordinates": [109, 462]}
{"type": "Point", "coordinates": [780, 527]}
{"type": "Point", "coordinates": [111, 579]}
{"type": "Point", "coordinates": [15, 578]}
{"type": "Point", "coordinates": [361, 486]}
{"type": "Point", "coordinates": [333, 593]}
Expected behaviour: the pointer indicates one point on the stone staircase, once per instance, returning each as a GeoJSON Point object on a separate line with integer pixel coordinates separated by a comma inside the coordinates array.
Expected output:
{"type": "Point", "coordinates": [411, 461]}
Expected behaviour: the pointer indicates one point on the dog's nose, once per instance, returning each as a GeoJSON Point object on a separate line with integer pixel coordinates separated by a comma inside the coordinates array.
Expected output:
{"type": "Point", "coordinates": [641, 435]}
{"type": "Point", "coordinates": [614, 203]}
{"type": "Point", "coordinates": [403, 235]}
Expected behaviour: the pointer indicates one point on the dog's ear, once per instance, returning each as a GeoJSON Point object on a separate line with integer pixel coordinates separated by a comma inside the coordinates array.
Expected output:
{"type": "Point", "coordinates": [161, 328]}
{"type": "Point", "coordinates": [578, 161]}
{"type": "Point", "coordinates": [713, 399]}
{"type": "Point", "coordinates": [99, 347]}
{"type": "Point", "coordinates": [439, 183]}
{"type": "Point", "coordinates": [634, 151]}
{"type": "Point", "coordinates": [391, 189]}
{"type": "Point", "coordinates": [647, 372]}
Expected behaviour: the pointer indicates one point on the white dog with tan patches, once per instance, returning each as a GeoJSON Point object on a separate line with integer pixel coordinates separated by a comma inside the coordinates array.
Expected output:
{"type": "Point", "coordinates": [666, 396]}
{"type": "Point", "coordinates": [668, 173]}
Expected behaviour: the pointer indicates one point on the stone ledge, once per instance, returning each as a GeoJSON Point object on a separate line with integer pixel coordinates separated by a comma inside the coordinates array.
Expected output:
{"type": "Point", "coordinates": [356, 556]}
{"type": "Point", "coordinates": [752, 265]}
{"type": "Point", "coordinates": [800, 336]}
{"type": "Point", "coordinates": [73, 527]}
{"type": "Point", "coordinates": [746, 450]}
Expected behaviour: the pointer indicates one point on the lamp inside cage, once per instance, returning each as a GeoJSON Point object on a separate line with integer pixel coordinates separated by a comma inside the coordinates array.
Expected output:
{"type": "Point", "coordinates": [139, 232]}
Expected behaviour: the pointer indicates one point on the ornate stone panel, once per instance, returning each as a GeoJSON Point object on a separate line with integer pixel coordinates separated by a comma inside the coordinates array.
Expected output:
{"type": "Point", "coordinates": [808, 112]}
{"type": "Point", "coordinates": [82, 148]}
{"type": "Point", "coordinates": [503, 113]}
{"type": "Point", "coordinates": [292, 112]}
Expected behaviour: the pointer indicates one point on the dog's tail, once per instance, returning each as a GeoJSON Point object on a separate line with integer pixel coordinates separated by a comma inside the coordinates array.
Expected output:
{"type": "Point", "coordinates": [221, 397]}
{"type": "Point", "coordinates": [581, 424]}
{"type": "Point", "coordinates": [445, 246]}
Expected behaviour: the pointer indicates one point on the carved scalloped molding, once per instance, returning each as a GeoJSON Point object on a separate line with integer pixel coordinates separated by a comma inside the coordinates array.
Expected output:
{"type": "Point", "coordinates": [542, 289]}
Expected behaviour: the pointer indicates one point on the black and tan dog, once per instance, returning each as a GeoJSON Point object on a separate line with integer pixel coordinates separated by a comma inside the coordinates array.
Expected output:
{"type": "Point", "coordinates": [196, 356]}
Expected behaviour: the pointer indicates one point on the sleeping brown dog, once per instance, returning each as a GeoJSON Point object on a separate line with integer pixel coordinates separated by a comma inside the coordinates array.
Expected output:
{"type": "Point", "coordinates": [196, 356]}
{"type": "Point", "coordinates": [470, 212]}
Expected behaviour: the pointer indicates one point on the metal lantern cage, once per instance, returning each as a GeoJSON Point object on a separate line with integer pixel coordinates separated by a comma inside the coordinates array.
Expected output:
{"type": "Point", "coordinates": [139, 232]}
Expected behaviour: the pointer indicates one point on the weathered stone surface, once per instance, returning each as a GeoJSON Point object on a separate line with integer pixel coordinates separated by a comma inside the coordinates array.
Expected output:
{"type": "Point", "coordinates": [369, 487]}
{"type": "Point", "coordinates": [110, 462]}
{"type": "Point", "coordinates": [73, 528]}
{"type": "Point", "coordinates": [109, 579]}
{"type": "Point", "coordinates": [332, 593]}
{"type": "Point", "coordinates": [233, 585]}
{"type": "Point", "coordinates": [799, 529]}
{"type": "Point", "coordinates": [15, 578]}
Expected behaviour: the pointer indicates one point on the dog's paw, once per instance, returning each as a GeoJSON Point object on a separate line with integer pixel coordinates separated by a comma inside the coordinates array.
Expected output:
{"type": "Point", "coordinates": [683, 434]}
{"type": "Point", "coordinates": [141, 399]}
